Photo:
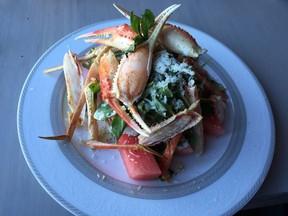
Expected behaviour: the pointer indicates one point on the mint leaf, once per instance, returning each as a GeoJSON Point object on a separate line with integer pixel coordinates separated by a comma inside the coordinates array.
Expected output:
{"type": "Point", "coordinates": [147, 22]}
{"type": "Point", "coordinates": [135, 23]}
{"type": "Point", "coordinates": [141, 26]}
{"type": "Point", "coordinates": [138, 40]}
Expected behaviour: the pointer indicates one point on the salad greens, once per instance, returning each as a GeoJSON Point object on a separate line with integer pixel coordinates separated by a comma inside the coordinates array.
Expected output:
{"type": "Point", "coordinates": [104, 112]}
{"type": "Point", "coordinates": [163, 96]}
{"type": "Point", "coordinates": [117, 126]}
{"type": "Point", "coordinates": [165, 92]}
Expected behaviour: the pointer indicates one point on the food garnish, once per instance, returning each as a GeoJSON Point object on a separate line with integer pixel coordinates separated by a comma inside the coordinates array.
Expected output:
{"type": "Point", "coordinates": [144, 80]}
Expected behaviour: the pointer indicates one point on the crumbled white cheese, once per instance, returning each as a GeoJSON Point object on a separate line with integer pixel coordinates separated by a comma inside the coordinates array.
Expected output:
{"type": "Point", "coordinates": [165, 62]}
{"type": "Point", "coordinates": [191, 83]}
{"type": "Point", "coordinates": [164, 99]}
{"type": "Point", "coordinates": [179, 104]}
{"type": "Point", "coordinates": [166, 91]}
{"type": "Point", "coordinates": [153, 92]}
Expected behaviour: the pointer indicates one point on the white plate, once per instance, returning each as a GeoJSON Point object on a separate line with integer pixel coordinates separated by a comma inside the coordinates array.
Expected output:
{"type": "Point", "coordinates": [89, 182]}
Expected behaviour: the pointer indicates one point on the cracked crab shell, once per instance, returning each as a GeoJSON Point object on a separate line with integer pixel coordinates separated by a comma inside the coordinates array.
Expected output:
{"type": "Point", "coordinates": [131, 77]}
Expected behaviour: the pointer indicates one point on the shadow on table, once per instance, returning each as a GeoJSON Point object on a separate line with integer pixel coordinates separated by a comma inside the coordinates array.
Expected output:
{"type": "Point", "coordinates": [277, 210]}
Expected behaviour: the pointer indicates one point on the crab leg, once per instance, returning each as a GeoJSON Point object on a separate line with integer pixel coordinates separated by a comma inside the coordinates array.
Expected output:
{"type": "Point", "coordinates": [94, 144]}
{"type": "Point", "coordinates": [117, 36]}
{"type": "Point", "coordinates": [120, 37]}
{"type": "Point", "coordinates": [107, 70]}
{"type": "Point", "coordinates": [91, 108]}
{"type": "Point", "coordinates": [123, 11]}
{"type": "Point", "coordinates": [92, 74]}
{"type": "Point", "coordinates": [74, 82]}
{"type": "Point", "coordinates": [165, 130]}
{"type": "Point", "coordinates": [198, 145]}
{"type": "Point", "coordinates": [166, 160]}
{"type": "Point", "coordinates": [156, 32]}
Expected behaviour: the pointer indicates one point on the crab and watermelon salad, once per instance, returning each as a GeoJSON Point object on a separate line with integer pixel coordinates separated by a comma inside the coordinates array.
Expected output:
{"type": "Point", "coordinates": [144, 81]}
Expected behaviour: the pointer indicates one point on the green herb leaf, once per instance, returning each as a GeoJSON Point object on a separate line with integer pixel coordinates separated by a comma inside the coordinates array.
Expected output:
{"type": "Point", "coordinates": [95, 87]}
{"type": "Point", "coordinates": [147, 22]}
{"type": "Point", "coordinates": [117, 126]}
{"type": "Point", "coordinates": [166, 91]}
{"type": "Point", "coordinates": [148, 90]}
{"type": "Point", "coordinates": [141, 26]}
{"type": "Point", "coordinates": [138, 40]}
{"type": "Point", "coordinates": [160, 108]}
{"type": "Point", "coordinates": [103, 112]}
{"type": "Point", "coordinates": [135, 23]}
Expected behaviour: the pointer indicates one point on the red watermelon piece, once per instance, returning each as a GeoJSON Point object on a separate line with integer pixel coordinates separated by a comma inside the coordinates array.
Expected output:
{"type": "Point", "coordinates": [139, 165]}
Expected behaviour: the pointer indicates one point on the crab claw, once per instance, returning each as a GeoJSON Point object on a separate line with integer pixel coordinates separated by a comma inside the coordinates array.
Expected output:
{"type": "Point", "coordinates": [120, 37]}
{"type": "Point", "coordinates": [127, 81]}
{"type": "Point", "coordinates": [134, 70]}
{"type": "Point", "coordinates": [107, 70]}
{"type": "Point", "coordinates": [172, 37]}
{"type": "Point", "coordinates": [115, 105]}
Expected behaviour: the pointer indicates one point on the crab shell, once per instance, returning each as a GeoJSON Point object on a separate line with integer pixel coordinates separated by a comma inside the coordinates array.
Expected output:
{"type": "Point", "coordinates": [180, 41]}
{"type": "Point", "coordinates": [133, 72]}
{"type": "Point", "coordinates": [120, 37]}
{"type": "Point", "coordinates": [172, 126]}
{"type": "Point", "coordinates": [130, 80]}
{"type": "Point", "coordinates": [74, 82]}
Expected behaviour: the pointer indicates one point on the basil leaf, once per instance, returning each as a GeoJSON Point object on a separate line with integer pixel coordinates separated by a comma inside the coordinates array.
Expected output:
{"type": "Point", "coordinates": [103, 112]}
{"type": "Point", "coordinates": [117, 126]}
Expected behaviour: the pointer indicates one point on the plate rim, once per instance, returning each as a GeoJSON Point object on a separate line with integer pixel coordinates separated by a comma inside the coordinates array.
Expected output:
{"type": "Point", "coordinates": [75, 210]}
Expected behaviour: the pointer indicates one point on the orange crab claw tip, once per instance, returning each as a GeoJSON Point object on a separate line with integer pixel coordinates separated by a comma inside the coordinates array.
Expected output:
{"type": "Point", "coordinates": [60, 137]}
{"type": "Point", "coordinates": [112, 36]}
{"type": "Point", "coordinates": [99, 34]}
{"type": "Point", "coordinates": [93, 37]}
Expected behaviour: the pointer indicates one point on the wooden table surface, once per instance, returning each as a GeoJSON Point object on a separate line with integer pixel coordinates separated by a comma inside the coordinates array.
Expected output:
{"type": "Point", "coordinates": [257, 31]}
